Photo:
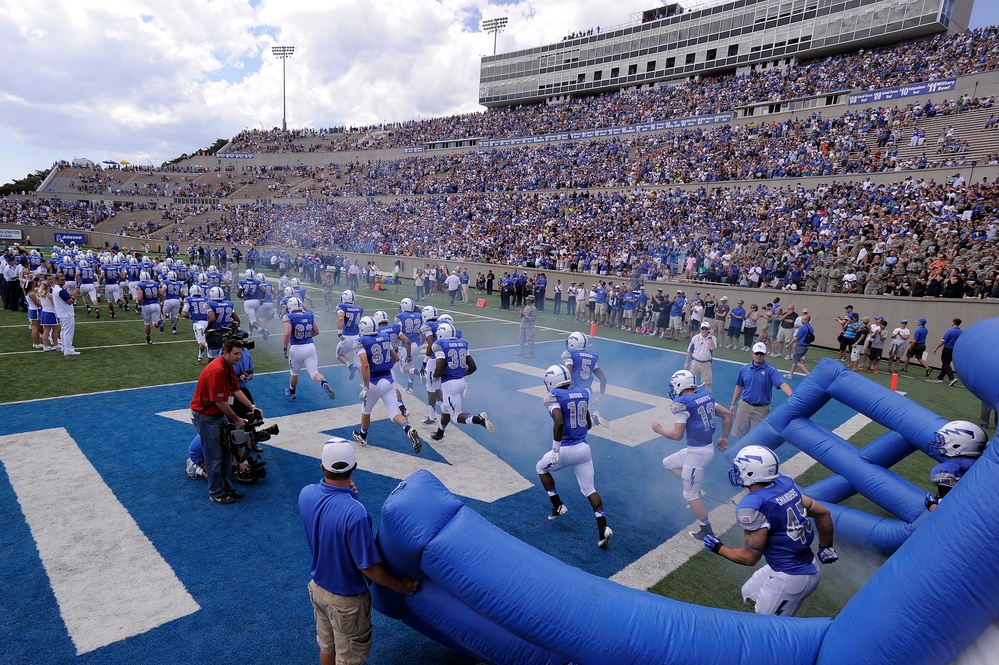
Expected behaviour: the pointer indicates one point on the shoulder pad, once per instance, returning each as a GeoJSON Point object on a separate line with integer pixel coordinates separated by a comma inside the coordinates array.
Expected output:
{"type": "Point", "coordinates": [678, 407]}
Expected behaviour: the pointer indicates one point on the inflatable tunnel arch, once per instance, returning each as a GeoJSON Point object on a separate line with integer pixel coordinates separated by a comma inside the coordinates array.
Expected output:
{"type": "Point", "coordinates": [491, 596]}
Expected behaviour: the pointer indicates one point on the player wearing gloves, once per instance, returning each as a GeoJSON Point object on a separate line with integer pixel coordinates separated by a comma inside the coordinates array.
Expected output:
{"type": "Point", "coordinates": [775, 517]}
{"type": "Point", "coordinates": [569, 409]}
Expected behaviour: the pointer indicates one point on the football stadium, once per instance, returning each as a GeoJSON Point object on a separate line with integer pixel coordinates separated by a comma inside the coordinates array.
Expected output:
{"type": "Point", "coordinates": [735, 263]}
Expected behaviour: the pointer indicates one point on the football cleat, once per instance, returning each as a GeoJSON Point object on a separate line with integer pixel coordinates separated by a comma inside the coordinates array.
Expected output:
{"type": "Point", "coordinates": [487, 424]}
{"type": "Point", "coordinates": [557, 511]}
{"type": "Point", "coordinates": [598, 420]}
{"type": "Point", "coordinates": [290, 392]}
{"type": "Point", "coordinates": [701, 533]}
{"type": "Point", "coordinates": [360, 437]}
{"type": "Point", "coordinates": [606, 537]}
{"type": "Point", "coordinates": [414, 437]}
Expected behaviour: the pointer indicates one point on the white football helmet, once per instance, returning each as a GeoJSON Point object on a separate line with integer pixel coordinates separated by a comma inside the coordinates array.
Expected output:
{"type": "Point", "coordinates": [212, 269]}
{"type": "Point", "coordinates": [133, 261]}
{"type": "Point", "coordinates": [754, 464]}
{"type": "Point", "coordinates": [294, 305]}
{"type": "Point", "coordinates": [444, 331]}
{"type": "Point", "coordinates": [248, 274]}
{"type": "Point", "coordinates": [576, 340]}
{"type": "Point", "coordinates": [172, 276]}
{"type": "Point", "coordinates": [380, 317]}
{"type": "Point", "coordinates": [429, 313]}
{"type": "Point", "coordinates": [262, 278]}
{"type": "Point", "coordinates": [296, 282]}
{"type": "Point", "coordinates": [143, 276]}
{"type": "Point", "coordinates": [202, 278]}
{"type": "Point", "coordinates": [169, 261]}
{"type": "Point", "coordinates": [557, 376]}
{"type": "Point", "coordinates": [445, 318]}
{"type": "Point", "coordinates": [367, 326]}
{"type": "Point", "coordinates": [347, 297]}
{"type": "Point", "coordinates": [289, 292]}
{"type": "Point", "coordinates": [195, 291]}
{"type": "Point", "coordinates": [959, 438]}
{"type": "Point", "coordinates": [407, 305]}
{"type": "Point", "coordinates": [216, 293]}
{"type": "Point", "coordinates": [680, 381]}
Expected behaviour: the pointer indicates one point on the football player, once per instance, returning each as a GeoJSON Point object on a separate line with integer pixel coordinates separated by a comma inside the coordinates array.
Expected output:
{"type": "Point", "coordinates": [300, 328]}
{"type": "Point", "coordinates": [452, 364]}
{"type": "Point", "coordinates": [148, 297]}
{"type": "Point", "coordinates": [173, 290]}
{"type": "Point", "coordinates": [196, 308]}
{"type": "Point", "coordinates": [249, 291]}
{"type": "Point", "coordinates": [400, 344]}
{"type": "Point", "coordinates": [377, 356]}
{"type": "Point", "coordinates": [88, 286]}
{"type": "Point", "coordinates": [694, 416]}
{"type": "Point", "coordinates": [347, 317]}
{"type": "Point", "coordinates": [569, 409]}
{"type": "Point", "coordinates": [582, 365]}
{"type": "Point", "coordinates": [775, 519]}
{"type": "Point", "coordinates": [266, 311]}
{"type": "Point", "coordinates": [961, 443]}
{"type": "Point", "coordinates": [410, 321]}
{"type": "Point", "coordinates": [111, 276]}
{"type": "Point", "coordinates": [221, 314]}
{"type": "Point", "coordinates": [432, 384]}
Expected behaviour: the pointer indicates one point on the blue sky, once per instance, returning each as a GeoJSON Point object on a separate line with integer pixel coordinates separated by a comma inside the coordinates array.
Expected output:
{"type": "Point", "coordinates": [146, 81]}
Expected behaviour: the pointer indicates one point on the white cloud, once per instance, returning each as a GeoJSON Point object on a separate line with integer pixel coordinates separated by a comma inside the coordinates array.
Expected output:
{"type": "Point", "coordinates": [135, 79]}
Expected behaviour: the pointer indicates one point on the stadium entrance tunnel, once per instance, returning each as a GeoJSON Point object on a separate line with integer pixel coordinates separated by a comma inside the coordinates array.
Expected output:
{"type": "Point", "coordinates": [487, 594]}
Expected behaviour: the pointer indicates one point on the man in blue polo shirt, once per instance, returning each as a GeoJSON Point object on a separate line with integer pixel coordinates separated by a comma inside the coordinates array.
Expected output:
{"type": "Point", "coordinates": [342, 543]}
{"type": "Point", "coordinates": [947, 342]}
{"type": "Point", "coordinates": [917, 345]}
{"type": "Point", "coordinates": [754, 391]}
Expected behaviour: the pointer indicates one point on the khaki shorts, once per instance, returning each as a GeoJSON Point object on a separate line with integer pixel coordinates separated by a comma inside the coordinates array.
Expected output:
{"type": "Point", "coordinates": [343, 624]}
{"type": "Point", "coordinates": [701, 371]}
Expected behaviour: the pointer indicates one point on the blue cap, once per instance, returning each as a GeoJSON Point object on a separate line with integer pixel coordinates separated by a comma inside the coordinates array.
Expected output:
{"type": "Point", "coordinates": [921, 321]}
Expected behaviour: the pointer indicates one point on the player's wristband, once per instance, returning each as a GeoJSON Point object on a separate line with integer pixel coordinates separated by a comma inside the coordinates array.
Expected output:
{"type": "Point", "coordinates": [556, 445]}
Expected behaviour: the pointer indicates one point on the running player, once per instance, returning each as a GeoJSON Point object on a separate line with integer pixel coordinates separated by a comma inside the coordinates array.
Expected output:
{"type": "Point", "coordinates": [300, 328]}
{"type": "Point", "coordinates": [347, 317]}
{"type": "Point", "coordinates": [453, 364]}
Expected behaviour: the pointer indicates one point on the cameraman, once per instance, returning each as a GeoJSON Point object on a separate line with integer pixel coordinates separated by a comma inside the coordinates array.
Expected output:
{"type": "Point", "coordinates": [211, 408]}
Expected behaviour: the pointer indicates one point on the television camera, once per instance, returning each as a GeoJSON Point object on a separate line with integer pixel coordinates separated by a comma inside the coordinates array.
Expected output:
{"type": "Point", "coordinates": [243, 443]}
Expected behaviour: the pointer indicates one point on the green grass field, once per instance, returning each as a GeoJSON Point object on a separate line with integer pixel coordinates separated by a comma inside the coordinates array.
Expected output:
{"type": "Point", "coordinates": [114, 356]}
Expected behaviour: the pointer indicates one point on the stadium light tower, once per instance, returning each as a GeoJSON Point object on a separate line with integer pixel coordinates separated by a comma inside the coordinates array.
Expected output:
{"type": "Point", "coordinates": [494, 26]}
{"type": "Point", "coordinates": [284, 52]}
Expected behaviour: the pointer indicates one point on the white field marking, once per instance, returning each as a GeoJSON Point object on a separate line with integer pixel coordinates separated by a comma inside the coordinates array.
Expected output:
{"type": "Point", "coordinates": [108, 579]}
{"type": "Point", "coordinates": [107, 346]}
{"type": "Point", "coordinates": [470, 470]}
{"type": "Point", "coordinates": [667, 557]}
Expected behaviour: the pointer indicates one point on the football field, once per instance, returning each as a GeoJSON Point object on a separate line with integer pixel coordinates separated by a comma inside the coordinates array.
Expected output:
{"type": "Point", "coordinates": [114, 555]}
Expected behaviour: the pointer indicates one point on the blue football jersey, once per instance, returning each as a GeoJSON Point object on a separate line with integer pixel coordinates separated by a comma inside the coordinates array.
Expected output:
{"type": "Point", "coordinates": [351, 317]}
{"type": "Point", "coordinates": [454, 352]}
{"type": "Point", "coordinates": [779, 508]}
{"type": "Point", "coordinates": [302, 324]}
{"type": "Point", "coordinates": [86, 275]}
{"type": "Point", "coordinates": [392, 331]}
{"type": "Point", "coordinates": [173, 289]}
{"type": "Point", "coordinates": [583, 363]}
{"type": "Point", "coordinates": [378, 349]}
{"type": "Point", "coordinates": [574, 404]}
{"type": "Point", "coordinates": [411, 322]}
{"type": "Point", "coordinates": [697, 410]}
{"type": "Point", "coordinates": [150, 292]}
{"type": "Point", "coordinates": [198, 307]}
{"type": "Point", "coordinates": [223, 312]}
{"type": "Point", "coordinates": [251, 289]}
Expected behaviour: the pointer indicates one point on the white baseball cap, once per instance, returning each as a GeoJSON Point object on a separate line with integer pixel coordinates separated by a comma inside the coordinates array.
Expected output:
{"type": "Point", "coordinates": [759, 347]}
{"type": "Point", "coordinates": [338, 456]}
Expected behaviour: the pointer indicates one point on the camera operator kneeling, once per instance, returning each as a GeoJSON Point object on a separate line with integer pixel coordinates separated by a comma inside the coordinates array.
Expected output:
{"type": "Point", "coordinates": [211, 409]}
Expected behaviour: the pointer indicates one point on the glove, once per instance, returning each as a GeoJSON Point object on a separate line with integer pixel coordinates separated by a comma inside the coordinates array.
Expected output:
{"type": "Point", "coordinates": [554, 459]}
{"type": "Point", "coordinates": [339, 333]}
{"type": "Point", "coordinates": [828, 555]}
{"type": "Point", "coordinates": [713, 543]}
{"type": "Point", "coordinates": [930, 499]}
{"type": "Point", "coordinates": [423, 372]}
{"type": "Point", "coordinates": [362, 395]}
{"type": "Point", "coordinates": [285, 351]}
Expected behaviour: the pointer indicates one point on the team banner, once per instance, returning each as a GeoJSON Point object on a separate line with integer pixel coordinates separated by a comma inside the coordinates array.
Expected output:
{"type": "Point", "coordinates": [78, 238]}
{"type": "Point", "coordinates": [928, 87]}
{"type": "Point", "coordinates": [235, 155]}
{"type": "Point", "coordinates": [10, 234]}
{"type": "Point", "coordinates": [679, 123]}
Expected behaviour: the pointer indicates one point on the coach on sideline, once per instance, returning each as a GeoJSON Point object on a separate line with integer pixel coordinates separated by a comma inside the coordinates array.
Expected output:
{"type": "Point", "coordinates": [755, 386]}
{"type": "Point", "coordinates": [211, 408]}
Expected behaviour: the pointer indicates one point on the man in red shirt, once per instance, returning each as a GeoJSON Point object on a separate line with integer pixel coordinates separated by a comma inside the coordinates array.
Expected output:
{"type": "Point", "coordinates": [211, 408]}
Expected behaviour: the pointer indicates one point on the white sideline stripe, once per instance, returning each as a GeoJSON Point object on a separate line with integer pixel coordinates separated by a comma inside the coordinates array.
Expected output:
{"type": "Point", "coordinates": [108, 579]}
{"type": "Point", "coordinates": [106, 346]}
{"type": "Point", "coordinates": [663, 560]}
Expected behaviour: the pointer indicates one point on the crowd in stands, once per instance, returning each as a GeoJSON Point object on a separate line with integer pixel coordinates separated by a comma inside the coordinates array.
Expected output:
{"type": "Point", "coordinates": [944, 56]}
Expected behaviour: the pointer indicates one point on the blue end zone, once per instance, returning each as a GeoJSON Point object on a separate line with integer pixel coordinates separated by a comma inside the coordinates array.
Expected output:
{"type": "Point", "coordinates": [247, 565]}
